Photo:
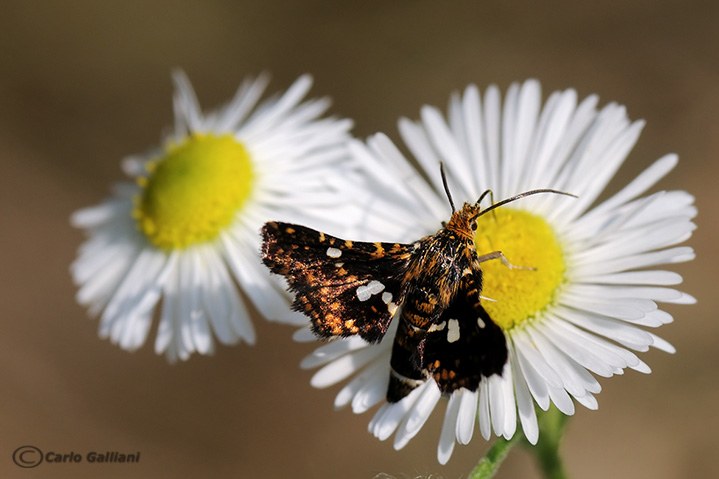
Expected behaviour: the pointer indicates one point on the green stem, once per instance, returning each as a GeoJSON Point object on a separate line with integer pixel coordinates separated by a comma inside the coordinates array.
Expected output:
{"type": "Point", "coordinates": [488, 465]}
{"type": "Point", "coordinates": [551, 427]}
{"type": "Point", "coordinates": [546, 451]}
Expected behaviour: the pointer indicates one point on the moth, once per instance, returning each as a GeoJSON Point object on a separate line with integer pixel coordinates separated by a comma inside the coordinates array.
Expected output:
{"type": "Point", "coordinates": [350, 288]}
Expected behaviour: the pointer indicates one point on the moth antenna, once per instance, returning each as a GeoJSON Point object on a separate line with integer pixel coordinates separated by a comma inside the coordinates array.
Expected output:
{"type": "Point", "coordinates": [522, 195]}
{"type": "Point", "coordinates": [491, 199]}
{"type": "Point", "coordinates": [486, 192]}
{"type": "Point", "coordinates": [446, 187]}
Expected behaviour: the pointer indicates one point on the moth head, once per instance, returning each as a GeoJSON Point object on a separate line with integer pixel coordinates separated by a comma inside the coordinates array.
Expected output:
{"type": "Point", "coordinates": [464, 221]}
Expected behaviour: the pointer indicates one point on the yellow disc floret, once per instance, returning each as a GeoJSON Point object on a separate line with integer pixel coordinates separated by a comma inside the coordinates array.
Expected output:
{"type": "Point", "coordinates": [193, 191]}
{"type": "Point", "coordinates": [525, 240]}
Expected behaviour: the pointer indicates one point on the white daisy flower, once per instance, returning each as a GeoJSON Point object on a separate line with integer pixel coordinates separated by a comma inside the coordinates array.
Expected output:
{"type": "Point", "coordinates": [595, 290]}
{"type": "Point", "coordinates": [187, 230]}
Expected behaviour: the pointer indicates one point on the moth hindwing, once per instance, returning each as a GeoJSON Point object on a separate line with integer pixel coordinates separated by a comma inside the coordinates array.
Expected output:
{"type": "Point", "coordinates": [345, 287]}
{"type": "Point", "coordinates": [472, 346]}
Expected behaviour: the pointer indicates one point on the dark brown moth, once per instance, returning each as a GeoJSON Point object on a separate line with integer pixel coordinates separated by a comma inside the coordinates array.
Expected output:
{"type": "Point", "coordinates": [352, 288]}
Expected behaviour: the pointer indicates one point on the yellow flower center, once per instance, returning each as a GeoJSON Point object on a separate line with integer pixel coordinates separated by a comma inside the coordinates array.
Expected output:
{"type": "Point", "coordinates": [525, 240]}
{"type": "Point", "coordinates": [193, 191]}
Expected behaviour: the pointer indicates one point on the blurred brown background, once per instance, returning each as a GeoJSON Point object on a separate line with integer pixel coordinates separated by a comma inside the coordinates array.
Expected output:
{"type": "Point", "coordinates": [84, 83]}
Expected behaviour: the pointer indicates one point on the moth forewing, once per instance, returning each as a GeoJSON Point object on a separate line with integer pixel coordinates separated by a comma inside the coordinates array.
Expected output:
{"type": "Point", "coordinates": [346, 287]}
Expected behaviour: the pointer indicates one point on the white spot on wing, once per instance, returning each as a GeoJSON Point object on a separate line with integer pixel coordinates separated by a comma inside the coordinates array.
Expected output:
{"type": "Point", "coordinates": [453, 330]}
{"type": "Point", "coordinates": [364, 292]}
{"type": "Point", "coordinates": [481, 323]}
{"type": "Point", "coordinates": [334, 252]}
{"type": "Point", "coordinates": [375, 286]}
{"type": "Point", "coordinates": [437, 327]}
{"type": "Point", "coordinates": [387, 297]}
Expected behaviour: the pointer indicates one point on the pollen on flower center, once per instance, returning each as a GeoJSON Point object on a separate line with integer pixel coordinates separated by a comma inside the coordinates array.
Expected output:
{"type": "Point", "coordinates": [193, 191]}
{"type": "Point", "coordinates": [525, 240]}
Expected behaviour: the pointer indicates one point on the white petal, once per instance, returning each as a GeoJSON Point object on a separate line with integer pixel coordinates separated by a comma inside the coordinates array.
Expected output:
{"type": "Point", "coordinates": [492, 118]}
{"type": "Point", "coordinates": [595, 181]}
{"type": "Point", "coordinates": [588, 401]}
{"type": "Point", "coordinates": [619, 331]}
{"type": "Point", "coordinates": [660, 278]}
{"type": "Point", "coordinates": [446, 437]}
{"type": "Point", "coordinates": [497, 404]}
{"type": "Point", "coordinates": [466, 414]}
{"type": "Point", "coordinates": [226, 311]}
{"type": "Point", "coordinates": [525, 405]}
{"type": "Point", "coordinates": [640, 184]}
{"type": "Point", "coordinates": [348, 393]}
{"type": "Point", "coordinates": [187, 108]}
{"type": "Point", "coordinates": [100, 278]}
{"type": "Point", "coordinates": [304, 335]}
{"type": "Point", "coordinates": [253, 277]}
{"type": "Point", "coordinates": [170, 307]}
{"type": "Point", "coordinates": [201, 336]}
{"type": "Point", "coordinates": [264, 118]}
{"type": "Point", "coordinates": [574, 378]}
{"type": "Point", "coordinates": [552, 127]}
{"type": "Point", "coordinates": [333, 350]}
{"type": "Point", "coordinates": [529, 350]}
{"type": "Point", "coordinates": [423, 193]}
{"type": "Point", "coordinates": [657, 318]}
{"type": "Point", "coordinates": [136, 295]}
{"type": "Point", "coordinates": [418, 415]}
{"type": "Point", "coordinates": [671, 255]}
{"type": "Point", "coordinates": [244, 101]}
{"type": "Point", "coordinates": [342, 368]}
{"type": "Point", "coordinates": [576, 346]}
{"type": "Point", "coordinates": [438, 132]}
{"type": "Point", "coordinates": [661, 344]}
{"type": "Point", "coordinates": [528, 107]}
{"type": "Point", "coordinates": [475, 142]}
{"type": "Point", "coordinates": [373, 392]}
{"type": "Point", "coordinates": [561, 399]}
{"type": "Point", "coordinates": [485, 423]}
{"type": "Point", "coordinates": [536, 384]}
{"type": "Point", "coordinates": [622, 308]}
{"type": "Point", "coordinates": [389, 416]}
{"type": "Point", "coordinates": [510, 406]}
{"type": "Point", "coordinates": [509, 168]}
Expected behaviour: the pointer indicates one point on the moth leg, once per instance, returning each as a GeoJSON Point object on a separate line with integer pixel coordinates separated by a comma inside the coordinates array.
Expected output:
{"type": "Point", "coordinates": [498, 255]}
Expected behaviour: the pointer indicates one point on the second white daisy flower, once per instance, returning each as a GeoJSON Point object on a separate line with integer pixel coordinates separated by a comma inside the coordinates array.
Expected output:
{"type": "Point", "coordinates": [184, 234]}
